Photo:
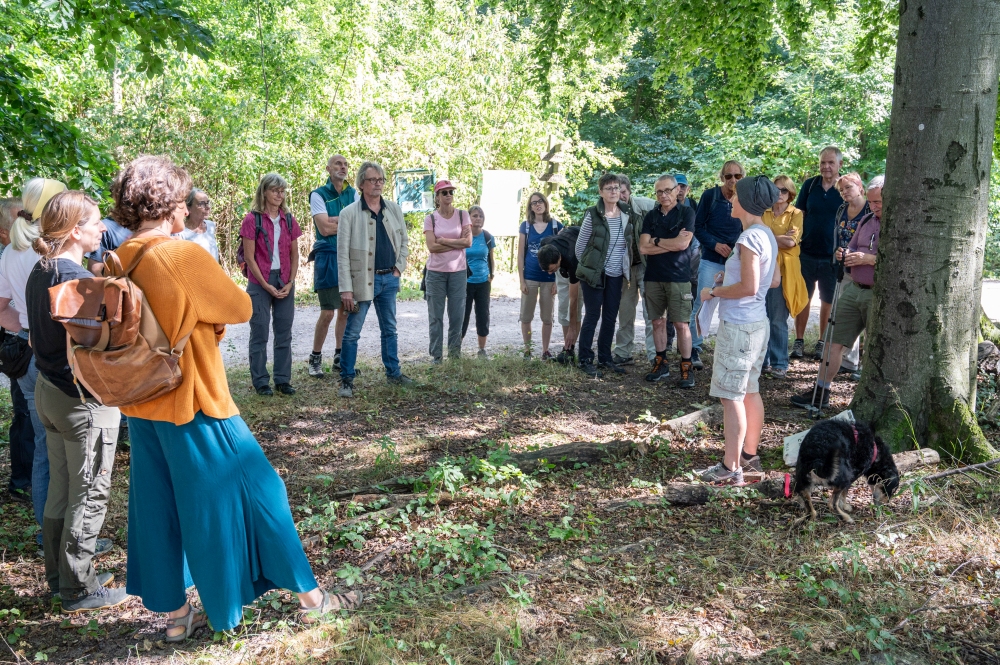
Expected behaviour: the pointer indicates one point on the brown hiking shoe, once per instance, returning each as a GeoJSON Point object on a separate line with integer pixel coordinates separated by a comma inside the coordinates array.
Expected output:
{"type": "Point", "coordinates": [687, 381]}
{"type": "Point", "coordinates": [660, 371]}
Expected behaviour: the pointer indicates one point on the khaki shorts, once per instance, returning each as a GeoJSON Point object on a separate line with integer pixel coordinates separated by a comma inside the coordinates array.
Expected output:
{"type": "Point", "coordinates": [563, 287]}
{"type": "Point", "coordinates": [537, 291]}
{"type": "Point", "coordinates": [739, 355]}
{"type": "Point", "coordinates": [674, 298]}
{"type": "Point", "coordinates": [851, 316]}
{"type": "Point", "coordinates": [329, 299]}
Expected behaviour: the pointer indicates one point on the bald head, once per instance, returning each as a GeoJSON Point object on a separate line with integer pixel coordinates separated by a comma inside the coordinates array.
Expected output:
{"type": "Point", "coordinates": [337, 167]}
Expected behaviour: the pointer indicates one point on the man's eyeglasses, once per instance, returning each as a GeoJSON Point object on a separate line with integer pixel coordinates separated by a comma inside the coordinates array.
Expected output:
{"type": "Point", "coordinates": [375, 181]}
{"type": "Point", "coordinates": [448, 192]}
{"type": "Point", "coordinates": [204, 205]}
{"type": "Point", "coordinates": [730, 176]}
{"type": "Point", "coordinates": [664, 192]}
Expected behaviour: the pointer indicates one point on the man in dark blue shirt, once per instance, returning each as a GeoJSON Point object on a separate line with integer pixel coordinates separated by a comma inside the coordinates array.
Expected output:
{"type": "Point", "coordinates": [667, 232]}
{"type": "Point", "coordinates": [819, 201]}
{"type": "Point", "coordinates": [717, 231]}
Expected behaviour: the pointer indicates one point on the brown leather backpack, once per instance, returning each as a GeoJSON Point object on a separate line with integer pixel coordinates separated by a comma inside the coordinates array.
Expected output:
{"type": "Point", "coordinates": [115, 346]}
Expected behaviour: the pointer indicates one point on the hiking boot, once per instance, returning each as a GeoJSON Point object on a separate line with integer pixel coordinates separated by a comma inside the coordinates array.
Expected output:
{"type": "Point", "coordinates": [401, 380]}
{"type": "Point", "coordinates": [720, 475]}
{"type": "Point", "coordinates": [98, 600]}
{"type": "Point", "coordinates": [336, 361]}
{"type": "Point", "coordinates": [20, 496]}
{"type": "Point", "coordinates": [799, 349]}
{"type": "Point", "coordinates": [566, 357]}
{"type": "Point", "coordinates": [265, 391]}
{"type": "Point", "coordinates": [752, 464]}
{"type": "Point", "coordinates": [316, 365]}
{"type": "Point", "coordinates": [285, 388]}
{"type": "Point", "coordinates": [776, 373]}
{"type": "Point", "coordinates": [588, 368]}
{"type": "Point", "coordinates": [104, 579]}
{"type": "Point", "coordinates": [612, 367]}
{"type": "Point", "coordinates": [619, 360]}
{"type": "Point", "coordinates": [482, 354]}
{"type": "Point", "coordinates": [660, 371]}
{"type": "Point", "coordinates": [805, 400]}
{"type": "Point", "coordinates": [696, 359]}
{"type": "Point", "coordinates": [818, 351]}
{"type": "Point", "coordinates": [546, 355]}
{"type": "Point", "coordinates": [103, 546]}
{"type": "Point", "coordinates": [855, 375]}
{"type": "Point", "coordinates": [346, 389]}
{"type": "Point", "coordinates": [687, 381]}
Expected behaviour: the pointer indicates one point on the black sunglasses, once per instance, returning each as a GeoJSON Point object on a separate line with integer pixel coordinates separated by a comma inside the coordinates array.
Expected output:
{"type": "Point", "coordinates": [447, 192]}
{"type": "Point", "coordinates": [730, 176]}
{"type": "Point", "coordinates": [783, 190]}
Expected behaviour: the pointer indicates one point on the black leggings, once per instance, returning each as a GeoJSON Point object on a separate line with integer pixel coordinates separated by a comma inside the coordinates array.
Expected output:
{"type": "Point", "coordinates": [478, 295]}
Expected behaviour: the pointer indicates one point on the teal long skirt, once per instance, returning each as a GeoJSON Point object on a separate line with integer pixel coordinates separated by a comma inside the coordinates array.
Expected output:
{"type": "Point", "coordinates": [205, 489]}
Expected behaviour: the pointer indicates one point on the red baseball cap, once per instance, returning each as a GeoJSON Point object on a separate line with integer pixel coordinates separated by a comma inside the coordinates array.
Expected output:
{"type": "Point", "coordinates": [443, 184]}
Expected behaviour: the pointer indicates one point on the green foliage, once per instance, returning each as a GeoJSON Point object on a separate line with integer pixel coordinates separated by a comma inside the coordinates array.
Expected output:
{"type": "Point", "coordinates": [457, 553]}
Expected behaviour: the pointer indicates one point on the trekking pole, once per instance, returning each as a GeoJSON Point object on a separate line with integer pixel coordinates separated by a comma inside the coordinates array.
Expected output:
{"type": "Point", "coordinates": [817, 411]}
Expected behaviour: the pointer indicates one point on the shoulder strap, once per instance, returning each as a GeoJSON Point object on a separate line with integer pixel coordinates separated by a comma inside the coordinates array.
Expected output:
{"type": "Point", "coordinates": [487, 237]}
{"type": "Point", "coordinates": [259, 219]}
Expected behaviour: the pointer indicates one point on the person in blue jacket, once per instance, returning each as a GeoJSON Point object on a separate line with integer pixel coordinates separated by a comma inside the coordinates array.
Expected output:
{"type": "Point", "coordinates": [716, 230]}
{"type": "Point", "coordinates": [325, 204]}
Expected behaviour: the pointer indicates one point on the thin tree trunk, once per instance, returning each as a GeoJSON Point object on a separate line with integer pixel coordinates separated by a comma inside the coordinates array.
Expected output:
{"type": "Point", "coordinates": [920, 361]}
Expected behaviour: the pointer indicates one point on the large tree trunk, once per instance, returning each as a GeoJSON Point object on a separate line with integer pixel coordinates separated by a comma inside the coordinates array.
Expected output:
{"type": "Point", "coordinates": [920, 361]}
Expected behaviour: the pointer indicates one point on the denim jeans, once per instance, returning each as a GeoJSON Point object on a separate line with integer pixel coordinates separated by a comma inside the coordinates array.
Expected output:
{"type": "Point", "coordinates": [386, 288]}
{"type": "Point", "coordinates": [599, 304]}
{"type": "Point", "coordinates": [706, 279]}
{"type": "Point", "coordinates": [777, 314]}
{"type": "Point", "coordinates": [40, 462]}
{"type": "Point", "coordinates": [22, 441]}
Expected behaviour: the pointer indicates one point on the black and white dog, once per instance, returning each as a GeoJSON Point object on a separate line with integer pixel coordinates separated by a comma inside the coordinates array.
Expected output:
{"type": "Point", "coordinates": [834, 454]}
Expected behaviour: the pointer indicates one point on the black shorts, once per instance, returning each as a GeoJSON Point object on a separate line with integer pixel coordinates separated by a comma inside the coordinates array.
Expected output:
{"type": "Point", "coordinates": [819, 269]}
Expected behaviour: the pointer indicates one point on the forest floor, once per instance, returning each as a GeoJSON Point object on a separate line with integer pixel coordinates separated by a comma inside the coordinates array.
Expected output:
{"type": "Point", "coordinates": [574, 580]}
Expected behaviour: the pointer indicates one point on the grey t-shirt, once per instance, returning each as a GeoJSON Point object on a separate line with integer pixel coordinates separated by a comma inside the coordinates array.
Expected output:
{"type": "Point", "coordinates": [759, 239]}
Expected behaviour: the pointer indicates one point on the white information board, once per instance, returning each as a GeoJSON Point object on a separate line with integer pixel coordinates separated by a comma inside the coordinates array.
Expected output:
{"type": "Point", "coordinates": [503, 200]}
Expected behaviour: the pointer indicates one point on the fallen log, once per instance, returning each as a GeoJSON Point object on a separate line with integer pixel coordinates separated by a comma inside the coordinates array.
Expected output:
{"type": "Point", "coordinates": [773, 487]}
{"type": "Point", "coordinates": [711, 415]}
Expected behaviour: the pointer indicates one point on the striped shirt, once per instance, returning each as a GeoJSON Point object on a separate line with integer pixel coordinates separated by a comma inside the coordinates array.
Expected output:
{"type": "Point", "coordinates": [617, 261]}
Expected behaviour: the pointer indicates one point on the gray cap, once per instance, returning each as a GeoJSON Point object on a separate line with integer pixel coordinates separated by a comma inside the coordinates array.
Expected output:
{"type": "Point", "coordinates": [756, 194]}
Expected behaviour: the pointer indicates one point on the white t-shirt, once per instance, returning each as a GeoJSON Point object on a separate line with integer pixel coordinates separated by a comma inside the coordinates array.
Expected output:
{"type": "Point", "coordinates": [207, 239]}
{"type": "Point", "coordinates": [317, 206]}
{"type": "Point", "coordinates": [759, 239]}
{"type": "Point", "coordinates": [275, 256]}
{"type": "Point", "coordinates": [15, 266]}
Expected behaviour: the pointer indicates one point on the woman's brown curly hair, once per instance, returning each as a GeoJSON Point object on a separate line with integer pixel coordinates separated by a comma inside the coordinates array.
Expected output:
{"type": "Point", "coordinates": [148, 190]}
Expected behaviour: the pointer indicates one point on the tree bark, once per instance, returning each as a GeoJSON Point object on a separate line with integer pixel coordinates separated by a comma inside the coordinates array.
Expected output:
{"type": "Point", "coordinates": [920, 360]}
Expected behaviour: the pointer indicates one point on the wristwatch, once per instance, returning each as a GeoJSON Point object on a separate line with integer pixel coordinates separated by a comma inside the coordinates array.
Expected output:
{"type": "Point", "coordinates": [656, 242]}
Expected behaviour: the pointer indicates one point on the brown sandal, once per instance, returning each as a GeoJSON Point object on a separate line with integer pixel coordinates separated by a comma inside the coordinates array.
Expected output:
{"type": "Point", "coordinates": [332, 602]}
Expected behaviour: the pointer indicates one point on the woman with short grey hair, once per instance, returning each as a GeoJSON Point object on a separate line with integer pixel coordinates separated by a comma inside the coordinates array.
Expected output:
{"type": "Point", "coordinates": [198, 228]}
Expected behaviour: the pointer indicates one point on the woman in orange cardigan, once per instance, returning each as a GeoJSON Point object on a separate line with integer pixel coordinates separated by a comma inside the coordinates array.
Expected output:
{"type": "Point", "coordinates": [200, 484]}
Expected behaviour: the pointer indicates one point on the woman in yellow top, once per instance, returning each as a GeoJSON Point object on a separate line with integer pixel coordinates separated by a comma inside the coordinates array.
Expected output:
{"type": "Point", "coordinates": [785, 222]}
{"type": "Point", "coordinates": [200, 484]}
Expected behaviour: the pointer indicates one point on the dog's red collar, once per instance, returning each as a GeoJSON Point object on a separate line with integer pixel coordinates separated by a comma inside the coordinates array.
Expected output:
{"type": "Point", "coordinates": [874, 445]}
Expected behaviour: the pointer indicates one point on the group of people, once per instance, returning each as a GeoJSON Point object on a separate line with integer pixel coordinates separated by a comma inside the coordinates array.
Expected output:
{"type": "Point", "coordinates": [205, 507]}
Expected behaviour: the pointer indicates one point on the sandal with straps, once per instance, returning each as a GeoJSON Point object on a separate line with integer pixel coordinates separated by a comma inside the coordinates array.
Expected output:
{"type": "Point", "coordinates": [332, 602]}
{"type": "Point", "coordinates": [188, 622]}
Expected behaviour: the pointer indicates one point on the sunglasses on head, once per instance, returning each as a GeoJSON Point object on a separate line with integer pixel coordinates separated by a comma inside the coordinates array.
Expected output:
{"type": "Point", "coordinates": [730, 176]}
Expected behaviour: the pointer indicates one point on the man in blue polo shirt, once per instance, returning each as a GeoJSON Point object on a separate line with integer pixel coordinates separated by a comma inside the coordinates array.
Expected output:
{"type": "Point", "coordinates": [717, 231]}
{"type": "Point", "coordinates": [325, 204]}
{"type": "Point", "coordinates": [819, 201]}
